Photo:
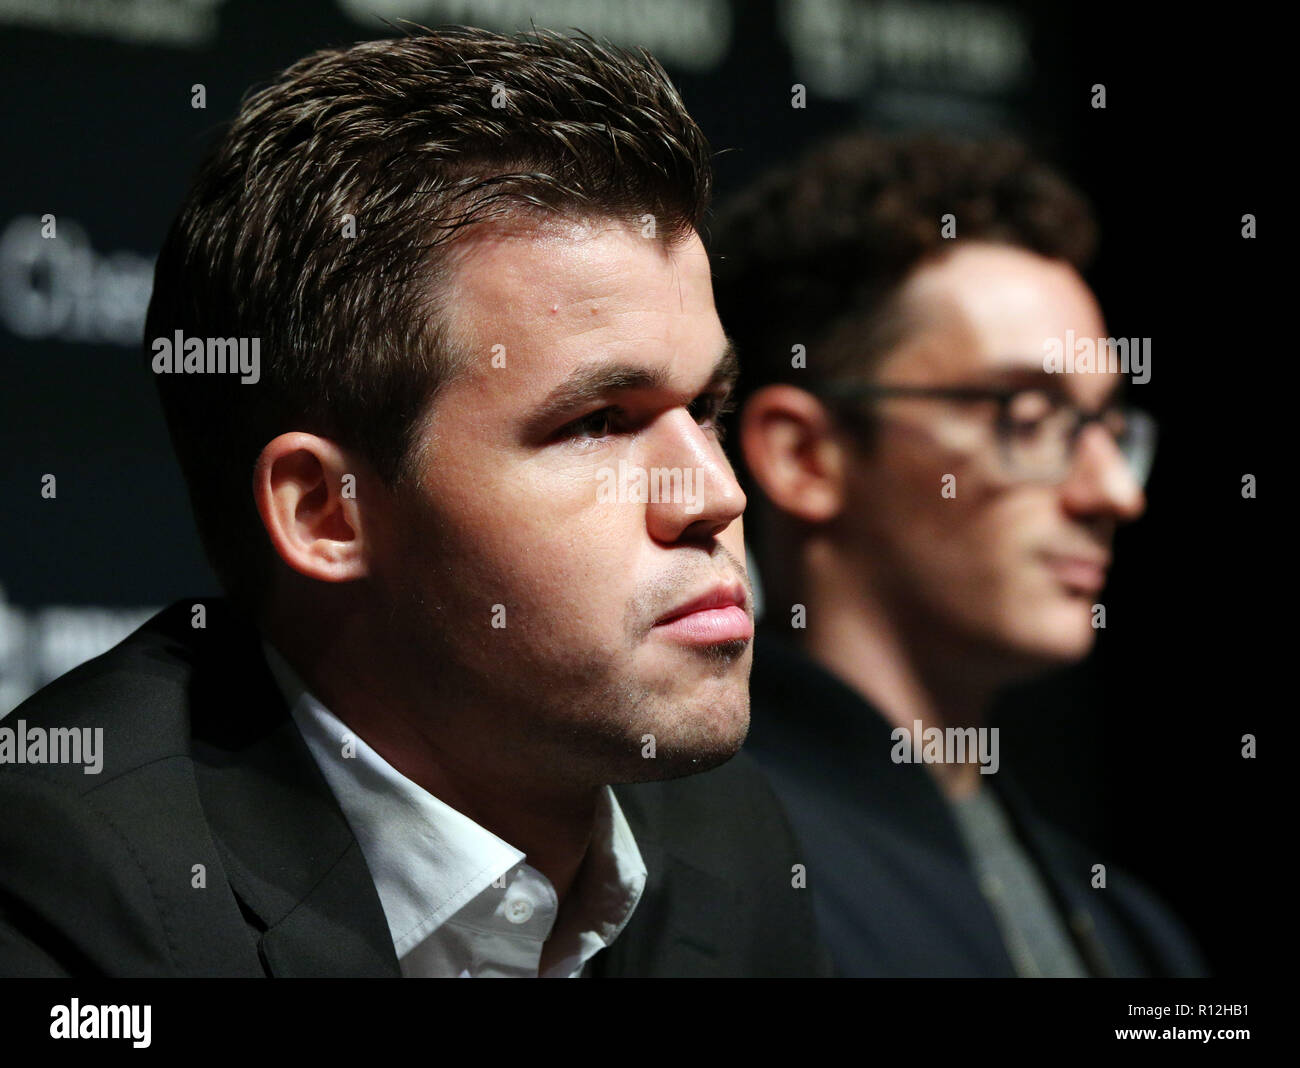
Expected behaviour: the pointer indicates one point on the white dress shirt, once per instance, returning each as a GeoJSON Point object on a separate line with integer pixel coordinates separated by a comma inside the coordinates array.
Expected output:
{"type": "Point", "coordinates": [460, 901]}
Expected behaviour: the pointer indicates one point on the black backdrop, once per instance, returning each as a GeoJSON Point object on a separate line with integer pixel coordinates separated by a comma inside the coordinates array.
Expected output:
{"type": "Point", "coordinates": [1138, 750]}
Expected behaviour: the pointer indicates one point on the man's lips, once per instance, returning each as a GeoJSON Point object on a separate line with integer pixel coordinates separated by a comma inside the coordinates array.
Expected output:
{"type": "Point", "coordinates": [1083, 573]}
{"type": "Point", "coordinates": [717, 615]}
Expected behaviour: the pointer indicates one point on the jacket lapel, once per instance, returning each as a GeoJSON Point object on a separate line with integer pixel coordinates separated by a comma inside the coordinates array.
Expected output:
{"type": "Point", "coordinates": [674, 930]}
{"type": "Point", "coordinates": [897, 840]}
{"type": "Point", "coordinates": [289, 854]}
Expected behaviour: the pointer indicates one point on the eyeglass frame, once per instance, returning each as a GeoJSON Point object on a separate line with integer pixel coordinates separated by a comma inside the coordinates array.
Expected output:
{"type": "Point", "coordinates": [1003, 396]}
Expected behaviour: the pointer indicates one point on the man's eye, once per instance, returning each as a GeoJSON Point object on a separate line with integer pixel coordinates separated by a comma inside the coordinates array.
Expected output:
{"type": "Point", "coordinates": [1027, 427]}
{"type": "Point", "coordinates": [710, 409]}
{"type": "Point", "coordinates": [596, 425]}
{"type": "Point", "coordinates": [1031, 407]}
{"type": "Point", "coordinates": [1032, 413]}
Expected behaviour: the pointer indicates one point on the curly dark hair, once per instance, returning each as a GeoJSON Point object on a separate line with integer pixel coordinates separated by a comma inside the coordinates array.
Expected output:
{"type": "Point", "coordinates": [416, 139]}
{"type": "Point", "coordinates": [816, 254]}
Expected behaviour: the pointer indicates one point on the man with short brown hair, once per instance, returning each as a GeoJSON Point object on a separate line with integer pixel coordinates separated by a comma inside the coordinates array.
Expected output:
{"type": "Point", "coordinates": [938, 493]}
{"type": "Point", "coordinates": [435, 339]}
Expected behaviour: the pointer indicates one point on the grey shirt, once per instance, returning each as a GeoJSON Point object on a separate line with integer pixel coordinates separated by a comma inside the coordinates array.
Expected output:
{"type": "Point", "coordinates": [1033, 930]}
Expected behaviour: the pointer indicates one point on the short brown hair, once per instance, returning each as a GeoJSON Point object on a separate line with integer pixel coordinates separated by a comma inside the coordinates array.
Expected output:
{"type": "Point", "coordinates": [417, 139]}
{"type": "Point", "coordinates": [815, 254]}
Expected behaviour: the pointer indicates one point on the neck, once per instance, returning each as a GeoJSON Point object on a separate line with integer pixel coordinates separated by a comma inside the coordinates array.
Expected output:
{"type": "Point", "coordinates": [454, 753]}
{"type": "Point", "coordinates": [907, 667]}
{"type": "Point", "coordinates": [551, 826]}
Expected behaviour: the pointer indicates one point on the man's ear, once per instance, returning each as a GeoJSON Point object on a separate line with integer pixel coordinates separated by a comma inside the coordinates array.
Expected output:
{"type": "Point", "coordinates": [307, 492]}
{"type": "Point", "coordinates": [792, 452]}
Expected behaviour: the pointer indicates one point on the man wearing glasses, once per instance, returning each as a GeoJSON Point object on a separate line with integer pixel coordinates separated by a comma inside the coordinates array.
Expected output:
{"type": "Point", "coordinates": [937, 506]}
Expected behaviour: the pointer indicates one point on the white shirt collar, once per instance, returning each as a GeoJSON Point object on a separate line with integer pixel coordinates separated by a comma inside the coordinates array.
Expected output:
{"type": "Point", "coordinates": [458, 899]}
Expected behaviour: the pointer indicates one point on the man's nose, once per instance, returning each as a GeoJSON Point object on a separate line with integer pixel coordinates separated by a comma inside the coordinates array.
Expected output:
{"type": "Point", "coordinates": [1100, 481]}
{"type": "Point", "coordinates": [698, 496]}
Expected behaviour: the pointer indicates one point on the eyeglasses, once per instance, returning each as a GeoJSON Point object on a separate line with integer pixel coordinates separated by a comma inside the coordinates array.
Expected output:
{"type": "Point", "coordinates": [1037, 429]}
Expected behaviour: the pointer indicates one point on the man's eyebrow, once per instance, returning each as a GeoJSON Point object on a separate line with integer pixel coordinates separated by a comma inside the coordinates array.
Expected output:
{"type": "Point", "coordinates": [591, 383]}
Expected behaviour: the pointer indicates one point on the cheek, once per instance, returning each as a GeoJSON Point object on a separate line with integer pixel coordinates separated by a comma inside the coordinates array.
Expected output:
{"type": "Point", "coordinates": [922, 507]}
{"type": "Point", "coordinates": [993, 537]}
{"type": "Point", "coordinates": [1016, 524]}
{"type": "Point", "coordinates": [1018, 594]}
{"type": "Point", "coordinates": [972, 542]}
{"type": "Point", "coordinates": [540, 542]}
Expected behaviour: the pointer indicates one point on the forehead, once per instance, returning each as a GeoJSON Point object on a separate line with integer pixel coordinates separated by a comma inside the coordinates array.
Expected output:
{"type": "Point", "coordinates": [984, 308]}
{"type": "Point", "coordinates": [561, 294]}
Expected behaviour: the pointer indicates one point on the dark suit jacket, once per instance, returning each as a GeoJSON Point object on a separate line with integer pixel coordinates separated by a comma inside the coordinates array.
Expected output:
{"type": "Point", "coordinates": [895, 890]}
{"type": "Point", "coordinates": [204, 766]}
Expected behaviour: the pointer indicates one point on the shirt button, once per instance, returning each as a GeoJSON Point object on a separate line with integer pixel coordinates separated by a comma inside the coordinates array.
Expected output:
{"type": "Point", "coordinates": [519, 911]}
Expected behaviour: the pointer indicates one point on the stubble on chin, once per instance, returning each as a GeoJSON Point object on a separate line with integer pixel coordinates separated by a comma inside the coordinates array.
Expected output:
{"type": "Point", "coordinates": [626, 731]}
